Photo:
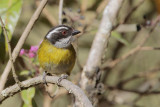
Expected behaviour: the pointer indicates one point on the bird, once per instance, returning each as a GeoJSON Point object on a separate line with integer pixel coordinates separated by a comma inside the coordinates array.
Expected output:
{"type": "Point", "coordinates": [56, 54]}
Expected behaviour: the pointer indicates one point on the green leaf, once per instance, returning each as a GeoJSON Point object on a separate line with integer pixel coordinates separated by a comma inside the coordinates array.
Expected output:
{"type": "Point", "coordinates": [2, 46]}
{"type": "Point", "coordinates": [9, 11]}
{"type": "Point", "coordinates": [27, 96]}
{"type": "Point", "coordinates": [119, 37]}
{"type": "Point", "coordinates": [24, 72]}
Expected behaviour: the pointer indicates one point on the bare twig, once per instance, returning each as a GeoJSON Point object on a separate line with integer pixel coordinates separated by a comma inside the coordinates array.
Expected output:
{"type": "Point", "coordinates": [122, 28]}
{"type": "Point", "coordinates": [131, 52]}
{"type": "Point", "coordinates": [116, 61]}
{"type": "Point", "coordinates": [139, 75]}
{"type": "Point", "coordinates": [133, 91]}
{"type": "Point", "coordinates": [83, 6]}
{"type": "Point", "coordinates": [148, 48]}
{"type": "Point", "coordinates": [10, 53]}
{"type": "Point", "coordinates": [60, 93]}
{"type": "Point", "coordinates": [60, 11]}
{"type": "Point", "coordinates": [78, 93]}
{"type": "Point", "coordinates": [47, 100]}
{"type": "Point", "coordinates": [101, 6]}
{"type": "Point", "coordinates": [131, 11]}
{"type": "Point", "coordinates": [100, 41]}
{"type": "Point", "coordinates": [21, 42]}
{"type": "Point", "coordinates": [129, 14]}
{"type": "Point", "coordinates": [49, 17]}
{"type": "Point", "coordinates": [47, 97]}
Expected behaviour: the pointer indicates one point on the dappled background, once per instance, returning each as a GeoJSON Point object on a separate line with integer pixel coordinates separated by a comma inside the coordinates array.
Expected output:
{"type": "Point", "coordinates": [130, 75]}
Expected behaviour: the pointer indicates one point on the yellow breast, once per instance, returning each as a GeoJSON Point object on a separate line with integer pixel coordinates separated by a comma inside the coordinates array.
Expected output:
{"type": "Point", "coordinates": [56, 60]}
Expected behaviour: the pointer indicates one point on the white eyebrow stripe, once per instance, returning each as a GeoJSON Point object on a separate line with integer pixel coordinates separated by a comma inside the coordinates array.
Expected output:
{"type": "Point", "coordinates": [55, 30]}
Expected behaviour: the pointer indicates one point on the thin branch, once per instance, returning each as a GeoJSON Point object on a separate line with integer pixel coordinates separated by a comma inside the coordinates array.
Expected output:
{"type": "Point", "coordinates": [21, 42]}
{"type": "Point", "coordinates": [78, 93]}
{"type": "Point", "coordinates": [47, 95]}
{"type": "Point", "coordinates": [10, 53]}
{"type": "Point", "coordinates": [118, 60]}
{"type": "Point", "coordinates": [47, 14]}
{"type": "Point", "coordinates": [101, 39]}
{"type": "Point", "coordinates": [131, 11]}
{"type": "Point", "coordinates": [133, 91]}
{"type": "Point", "coordinates": [101, 6]}
{"type": "Point", "coordinates": [131, 52]}
{"type": "Point", "coordinates": [129, 14]}
{"type": "Point", "coordinates": [123, 28]}
{"type": "Point", "coordinates": [60, 93]}
{"type": "Point", "coordinates": [60, 11]}
{"type": "Point", "coordinates": [148, 48]}
{"type": "Point", "coordinates": [139, 75]}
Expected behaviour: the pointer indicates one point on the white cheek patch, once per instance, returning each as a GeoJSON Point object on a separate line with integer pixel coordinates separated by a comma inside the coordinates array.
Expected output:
{"type": "Point", "coordinates": [65, 40]}
{"type": "Point", "coordinates": [55, 31]}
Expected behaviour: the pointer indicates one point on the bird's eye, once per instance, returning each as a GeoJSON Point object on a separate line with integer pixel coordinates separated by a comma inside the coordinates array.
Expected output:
{"type": "Point", "coordinates": [64, 32]}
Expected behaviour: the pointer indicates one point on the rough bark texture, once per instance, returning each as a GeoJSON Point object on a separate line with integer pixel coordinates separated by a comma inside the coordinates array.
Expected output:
{"type": "Point", "coordinates": [89, 74]}
{"type": "Point", "coordinates": [78, 93]}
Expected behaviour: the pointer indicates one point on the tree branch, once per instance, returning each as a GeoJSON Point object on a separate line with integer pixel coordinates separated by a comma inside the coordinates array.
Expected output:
{"type": "Point", "coordinates": [133, 90]}
{"type": "Point", "coordinates": [131, 11]}
{"type": "Point", "coordinates": [139, 75]}
{"type": "Point", "coordinates": [101, 39]}
{"type": "Point", "coordinates": [60, 11]}
{"type": "Point", "coordinates": [78, 93]}
{"type": "Point", "coordinates": [10, 53]}
{"type": "Point", "coordinates": [131, 52]}
{"type": "Point", "coordinates": [47, 15]}
{"type": "Point", "coordinates": [21, 42]}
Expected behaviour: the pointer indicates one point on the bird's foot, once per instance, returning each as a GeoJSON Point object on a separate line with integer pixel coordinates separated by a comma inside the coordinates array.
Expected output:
{"type": "Point", "coordinates": [63, 76]}
{"type": "Point", "coordinates": [45, 73]}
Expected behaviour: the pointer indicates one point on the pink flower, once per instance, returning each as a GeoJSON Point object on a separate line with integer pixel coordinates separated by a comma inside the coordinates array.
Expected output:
{"type": "Point", "coordinates": [33, 49]}
{"type": "Point", "coordinates": [31, 54]}
{"type": "Point", "coordinates": [22, 52]}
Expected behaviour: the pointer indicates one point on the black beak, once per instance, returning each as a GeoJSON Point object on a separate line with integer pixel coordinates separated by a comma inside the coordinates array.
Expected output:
{"type": "Point", "coordinates": [75, 32]}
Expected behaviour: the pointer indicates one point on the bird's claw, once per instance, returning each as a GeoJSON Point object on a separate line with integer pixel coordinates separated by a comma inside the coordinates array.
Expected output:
{"type": "Point", "coordinates": [45, 73]}
{"type": "Point", "coordinates": [44, 78]}
{"type": "Point", "coordinates": [63, 76]}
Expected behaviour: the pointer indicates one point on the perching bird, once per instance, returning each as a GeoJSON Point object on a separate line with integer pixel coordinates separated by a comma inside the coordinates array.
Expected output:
{"type": "Point", "coordinates": [56, 54]}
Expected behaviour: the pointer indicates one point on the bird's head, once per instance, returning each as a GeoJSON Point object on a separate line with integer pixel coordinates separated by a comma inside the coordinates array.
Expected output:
{"type": "Point", "coordinates": [61, 36]}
